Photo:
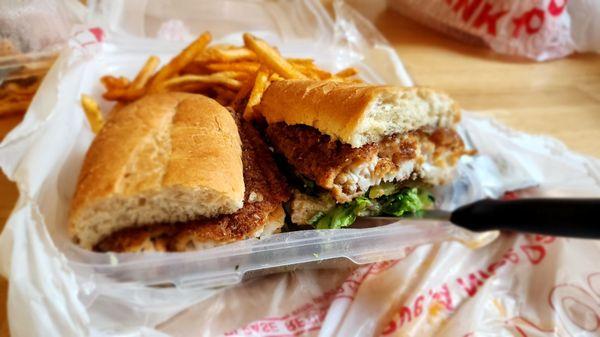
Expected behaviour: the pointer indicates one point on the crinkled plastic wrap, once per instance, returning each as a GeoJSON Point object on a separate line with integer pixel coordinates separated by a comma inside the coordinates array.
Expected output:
{"type": "Point", "coordinates": [536, 29]}
{"type": "Point", "coordinates": [61, 290]}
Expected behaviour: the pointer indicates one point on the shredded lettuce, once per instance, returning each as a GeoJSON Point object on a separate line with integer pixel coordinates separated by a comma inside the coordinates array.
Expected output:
{"type": "Point", "coordinates": [407, 201]}
{"type": "Point", "coordinates": [383, 189]}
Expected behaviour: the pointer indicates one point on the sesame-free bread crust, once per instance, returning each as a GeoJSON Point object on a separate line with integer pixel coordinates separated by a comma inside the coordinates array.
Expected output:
{"type": "Point", "coordinates": [165, 158]}
{"type": "Point", "coordinates": [356, 113]}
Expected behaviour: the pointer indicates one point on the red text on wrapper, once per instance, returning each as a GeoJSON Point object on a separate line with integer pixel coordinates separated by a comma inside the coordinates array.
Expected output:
{"type": "Point", "coordinates": [467, 286]}
{"type": "Point", "coordinates": [487, 14]}
{"type": "Point", "coordinates": [310, 316]}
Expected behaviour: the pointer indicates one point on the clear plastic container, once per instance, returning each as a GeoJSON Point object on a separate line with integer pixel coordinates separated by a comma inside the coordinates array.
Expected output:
{"type": "Point", "coordinates": [145, 283]}
{"type": "Point", "coordinates": [27, 51]}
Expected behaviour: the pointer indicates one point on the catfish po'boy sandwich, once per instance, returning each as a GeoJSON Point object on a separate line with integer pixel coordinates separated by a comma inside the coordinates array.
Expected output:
{"type": "Point", "coordinates": [360, 149]}
{"type": "Point", "coordinates": [175, 172]}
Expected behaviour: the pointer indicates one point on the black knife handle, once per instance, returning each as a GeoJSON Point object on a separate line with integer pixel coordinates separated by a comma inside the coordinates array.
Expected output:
{"type": "Point", "coordinates": [557, 217]}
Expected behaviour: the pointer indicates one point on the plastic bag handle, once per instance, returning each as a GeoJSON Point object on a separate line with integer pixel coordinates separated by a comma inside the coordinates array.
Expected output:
{"type": "Point", "coordinates": [558, 217]}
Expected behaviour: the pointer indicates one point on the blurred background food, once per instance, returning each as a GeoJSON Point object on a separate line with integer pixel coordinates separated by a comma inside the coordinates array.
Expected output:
{"type": "Point", "coordinates": [32, 32]}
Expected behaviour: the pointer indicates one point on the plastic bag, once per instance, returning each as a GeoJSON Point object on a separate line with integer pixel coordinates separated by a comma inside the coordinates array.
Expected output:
{"type": "Point", "coordinates": [537, 29]}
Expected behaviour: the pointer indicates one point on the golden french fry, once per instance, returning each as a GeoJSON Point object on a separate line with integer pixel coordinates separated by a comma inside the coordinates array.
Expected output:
{"type": "Point", "coordinates": [301, 61]}
{"type": "Point", "coordinates": [249, 67]}
{"type": "Point", "coordinates": [312, 71]}
{"type": "Point", "coordinates": [271, 58]}
{"type": "Point", "coordinates": [275, 77]}
{"type": "Point", "coordinates": [179, 61]}
{"type": "Point", "coordinates": [260, 85]}
{"type": "Point", "coordinates": [92, 112]}
{"type": "Point", "coordinates": [224, 78]}
{"type": "Point", "coordinates": [226, 54]}
{"type": "Point", "coordinates": [112, 82]}
{"type": "Point", "coordinates": [191, 87]}
{"type": "Point", "coordinates": [243, 93]}
{"type": "Point", "coordinates": [144, 75]}
{"type": "Point", "coordinates": [348, 72]}
{"type": "Point", "coordinates": [123, 94]}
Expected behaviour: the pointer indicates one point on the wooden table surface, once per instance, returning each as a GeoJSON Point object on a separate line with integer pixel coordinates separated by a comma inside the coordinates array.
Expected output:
{"type": "Point", "coordinates": [559, 98]}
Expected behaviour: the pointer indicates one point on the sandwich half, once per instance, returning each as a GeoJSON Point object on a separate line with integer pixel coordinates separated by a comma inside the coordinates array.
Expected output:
{"type": "Point", "coordinates": [359, 149]}
{"type": "Point", "coordinates": [175, 172]}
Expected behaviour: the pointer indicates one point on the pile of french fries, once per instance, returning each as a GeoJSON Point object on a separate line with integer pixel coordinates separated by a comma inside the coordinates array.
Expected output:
{"type": "Point", "coordinates": [235, 76]}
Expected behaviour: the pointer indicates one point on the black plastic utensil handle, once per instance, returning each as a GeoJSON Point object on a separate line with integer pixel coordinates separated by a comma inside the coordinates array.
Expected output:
{"type": "Point", "coordinates": [557, 217]}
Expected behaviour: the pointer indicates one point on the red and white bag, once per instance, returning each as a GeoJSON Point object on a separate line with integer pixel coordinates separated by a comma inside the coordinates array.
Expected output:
{"type": "Point", "coordinates": [537, 29]}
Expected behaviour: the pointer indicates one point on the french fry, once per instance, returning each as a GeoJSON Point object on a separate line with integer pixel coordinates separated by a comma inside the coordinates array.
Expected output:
{"type": "Point", "coordinates": [179, 62]}
{"type": "Point", "coordinates": [275, 77]}
{"type": "Point", "coordinates": [312, 71]}
{"type": "Point", "coordinates": [224, 78]}
{"type": "Point", "coordinates": [260, 85]}
{"type": "Point", "coordinates": [271, 58]}
{"type": "Point", "coordinates": [193, 87]}
{"type": "Point", "coordinates": [301, 61]}
{"type": "Point", "coordinates": [348, 72]}
{"type": "Point", "coordinates": [123, 94]}
{"type": "Point", "coordinates": [112, 82]}
{"type": "Point", "coordinates": [144, 75]}
{"type": "Point", "coordinates": [249, 67]}
{"type": "Point", "coordinates": [92, 112]}
{"type": "Point", "coordinates": [243, 93]}
{"type": "Point", "coordinates": [226, 54]}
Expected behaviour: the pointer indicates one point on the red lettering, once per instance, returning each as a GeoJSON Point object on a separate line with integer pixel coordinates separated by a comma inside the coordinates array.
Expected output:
{"type": "Point", "coordinates": [521, 332]}
{"type": "Point", "coordinates": [535, 253]}
{"type": "Point", "coordinates": [556, 10]}
{"type": "Point", "coordinates": [541, 238]}
{"type": "Point", "coordinates": [468, 8]}
{"type": "Point", "coordinates": [290, 325]}
{"type": "Point", "coordinates": [490, 20]}
{"type": "Point", "coordinates": [269, 327]}
{"type": "Point", "coordinates": [405, 315]}
{"type": "Point", "coordinates": [494, 266]}
{"type": "Point", "coordinates": [418, 305]}
{"type": "Point", "coordinates": [305, 307]}
{"type": "Point", "coordinates": [443, 296]}
{"type": "Point", "coordinates": [389, 328]}
{"type": "Point", "coordinates": [483, 275]}
{"type": "Point", "coordinates": [470, 288]}
{"type": "Point", "coordinates": [511, 256]}
{"type": "Point", "coordinates": [254, 327]}
{"type": "Point", "coordinates": [528, 20]}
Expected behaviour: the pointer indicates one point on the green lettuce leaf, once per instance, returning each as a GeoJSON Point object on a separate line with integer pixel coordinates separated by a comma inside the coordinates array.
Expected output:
{"type": "Point", "coordinates": [407, 201]}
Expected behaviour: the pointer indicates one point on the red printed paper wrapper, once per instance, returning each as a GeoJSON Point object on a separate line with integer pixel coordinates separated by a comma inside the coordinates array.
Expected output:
{"type": "Point", "coordinates": [521, 285]}
{"type": "Point", "coordinates": [536, 29]}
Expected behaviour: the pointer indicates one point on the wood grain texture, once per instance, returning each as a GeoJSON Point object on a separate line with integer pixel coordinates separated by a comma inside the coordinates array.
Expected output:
{"type": "Point", "coordinates": [559, 98]}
